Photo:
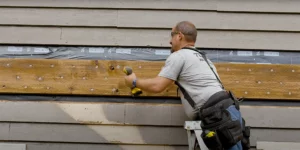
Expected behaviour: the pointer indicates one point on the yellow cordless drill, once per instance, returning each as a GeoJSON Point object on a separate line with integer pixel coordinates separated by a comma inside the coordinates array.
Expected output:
{"type": "Point", "coordinates": [134, 91]}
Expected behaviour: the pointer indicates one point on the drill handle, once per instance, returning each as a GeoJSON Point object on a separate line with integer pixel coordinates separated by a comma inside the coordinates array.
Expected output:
{"type": "Point", "coordinates": [127, 70]}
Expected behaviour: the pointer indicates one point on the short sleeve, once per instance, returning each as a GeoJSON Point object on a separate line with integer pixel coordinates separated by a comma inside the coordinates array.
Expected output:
{"type": "Point", "coordinates": [172, 67]}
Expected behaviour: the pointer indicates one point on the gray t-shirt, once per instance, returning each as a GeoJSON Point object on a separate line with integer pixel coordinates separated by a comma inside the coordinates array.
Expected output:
{"type": "Point", "coordinates": [190, 69]}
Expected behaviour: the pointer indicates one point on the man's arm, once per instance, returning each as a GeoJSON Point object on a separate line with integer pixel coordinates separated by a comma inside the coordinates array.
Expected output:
{"type": "Point", "coordinates": [166, 77]}
{"type": "Point", "coordinates": [154, 85]}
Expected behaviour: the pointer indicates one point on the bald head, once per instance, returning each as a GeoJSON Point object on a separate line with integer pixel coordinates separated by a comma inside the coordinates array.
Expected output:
{"type": "Point", "coordinates": [188, 29]}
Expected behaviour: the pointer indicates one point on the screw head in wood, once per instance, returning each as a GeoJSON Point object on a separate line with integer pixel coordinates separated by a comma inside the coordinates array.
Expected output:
{"type": "Point", "coordinates": [111, 67]}
{"type": "Point", "coordinates": [114, 90]}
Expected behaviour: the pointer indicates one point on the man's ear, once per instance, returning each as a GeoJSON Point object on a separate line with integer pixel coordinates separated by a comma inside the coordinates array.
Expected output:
{"type": "Point", "coordinates": [180, 36]}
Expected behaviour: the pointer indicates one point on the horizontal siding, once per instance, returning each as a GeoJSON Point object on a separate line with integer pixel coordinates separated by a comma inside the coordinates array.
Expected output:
{"type": "Point", "coordinates": [146, 135]}
{"type": "Point", "coordinates": [227, 24]}
{"type": "Point", "coordinates": [58, 17]}
{"type": "Point", "coordinates": [93, 134]}
{"type": "Point", "coordinates": [144, 125]}
{"type": "Point", "coordinates": [133, 4]}
{"type": "Point", "coordinates": [135, 114]}
{"type": "Point", "coordinates": [14, 146]}
{"type": "Point", "coordinates": [210, 20]}
{"type": "Point", "coordinates": [148, 19]}
{"type": "Point", "coordinates": [72, 146]}
{"type": "Point", "coordinates": [278, 145]}
{"type": "Point", "coordinates": [104, 113]}
{"type": "Point", "coordinates": [267, 6]}
{"type": "Point", "coordinates": [145, 37]}
{"type": "Point", "coordinates": [288, 6]}
{"type": "Point", "coordinates": [84, 146]}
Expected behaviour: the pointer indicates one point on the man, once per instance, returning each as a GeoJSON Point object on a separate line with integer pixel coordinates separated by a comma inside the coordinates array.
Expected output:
{"type": "Point", "coordinates": [191, 71]}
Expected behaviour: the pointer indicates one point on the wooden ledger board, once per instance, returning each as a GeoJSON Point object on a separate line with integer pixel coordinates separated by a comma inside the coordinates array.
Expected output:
{"type": "Point", "coordinates": [99, 77]}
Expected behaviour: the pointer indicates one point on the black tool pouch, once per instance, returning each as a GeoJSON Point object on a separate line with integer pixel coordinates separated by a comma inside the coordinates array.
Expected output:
{"type": "Point", "coordinates": [246, 136]}
{"type": "Point", "coordinates": [211, 118]}
{"type": "Point", "coordinates": [218, 119]}
{"type": "Point", "coordinates": [230, 133]}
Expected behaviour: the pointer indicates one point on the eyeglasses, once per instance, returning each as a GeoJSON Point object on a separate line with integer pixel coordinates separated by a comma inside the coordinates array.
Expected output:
{"type": "Point", "coordinates": [174, 32]}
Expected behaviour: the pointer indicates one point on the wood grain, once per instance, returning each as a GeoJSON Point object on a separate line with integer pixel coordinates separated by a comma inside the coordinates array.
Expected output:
{"type": "Point", "coordinates": [96, 77]}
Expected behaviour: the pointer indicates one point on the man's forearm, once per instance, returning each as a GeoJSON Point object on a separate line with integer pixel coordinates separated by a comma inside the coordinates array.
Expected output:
{"type": "Point", "coordinates": [148, 85]}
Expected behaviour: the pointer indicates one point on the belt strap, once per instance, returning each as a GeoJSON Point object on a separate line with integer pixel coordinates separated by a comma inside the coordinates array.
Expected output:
{"type": "Point", "coordinates": [186, 95]}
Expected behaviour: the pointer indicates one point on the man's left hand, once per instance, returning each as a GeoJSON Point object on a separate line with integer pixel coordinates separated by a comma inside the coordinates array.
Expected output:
{"type": "Point", "coordinates": [129, 79]}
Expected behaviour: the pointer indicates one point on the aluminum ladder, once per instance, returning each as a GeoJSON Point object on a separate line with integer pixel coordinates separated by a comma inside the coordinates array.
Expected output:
{"type": "Point", "coordinates": [194, 131]}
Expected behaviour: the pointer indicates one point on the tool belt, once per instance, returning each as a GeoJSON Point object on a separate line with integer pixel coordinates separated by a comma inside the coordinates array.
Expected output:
{"type": "Point", "coordinates": [219, 131]}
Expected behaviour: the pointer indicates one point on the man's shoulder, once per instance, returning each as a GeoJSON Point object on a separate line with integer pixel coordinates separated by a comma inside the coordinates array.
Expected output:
{"type": "Point", "coordinates": [176, 55]}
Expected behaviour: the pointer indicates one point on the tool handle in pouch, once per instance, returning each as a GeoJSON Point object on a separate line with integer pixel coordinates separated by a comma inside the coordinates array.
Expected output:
{"type": "Point", "coordinates": [211, 140]}
{"type": "Point", "coordinates": [134, 91]}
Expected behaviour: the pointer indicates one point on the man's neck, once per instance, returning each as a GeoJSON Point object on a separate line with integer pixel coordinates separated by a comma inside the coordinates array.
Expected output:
{"type": "Point", "coordinates": [191, 45]}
